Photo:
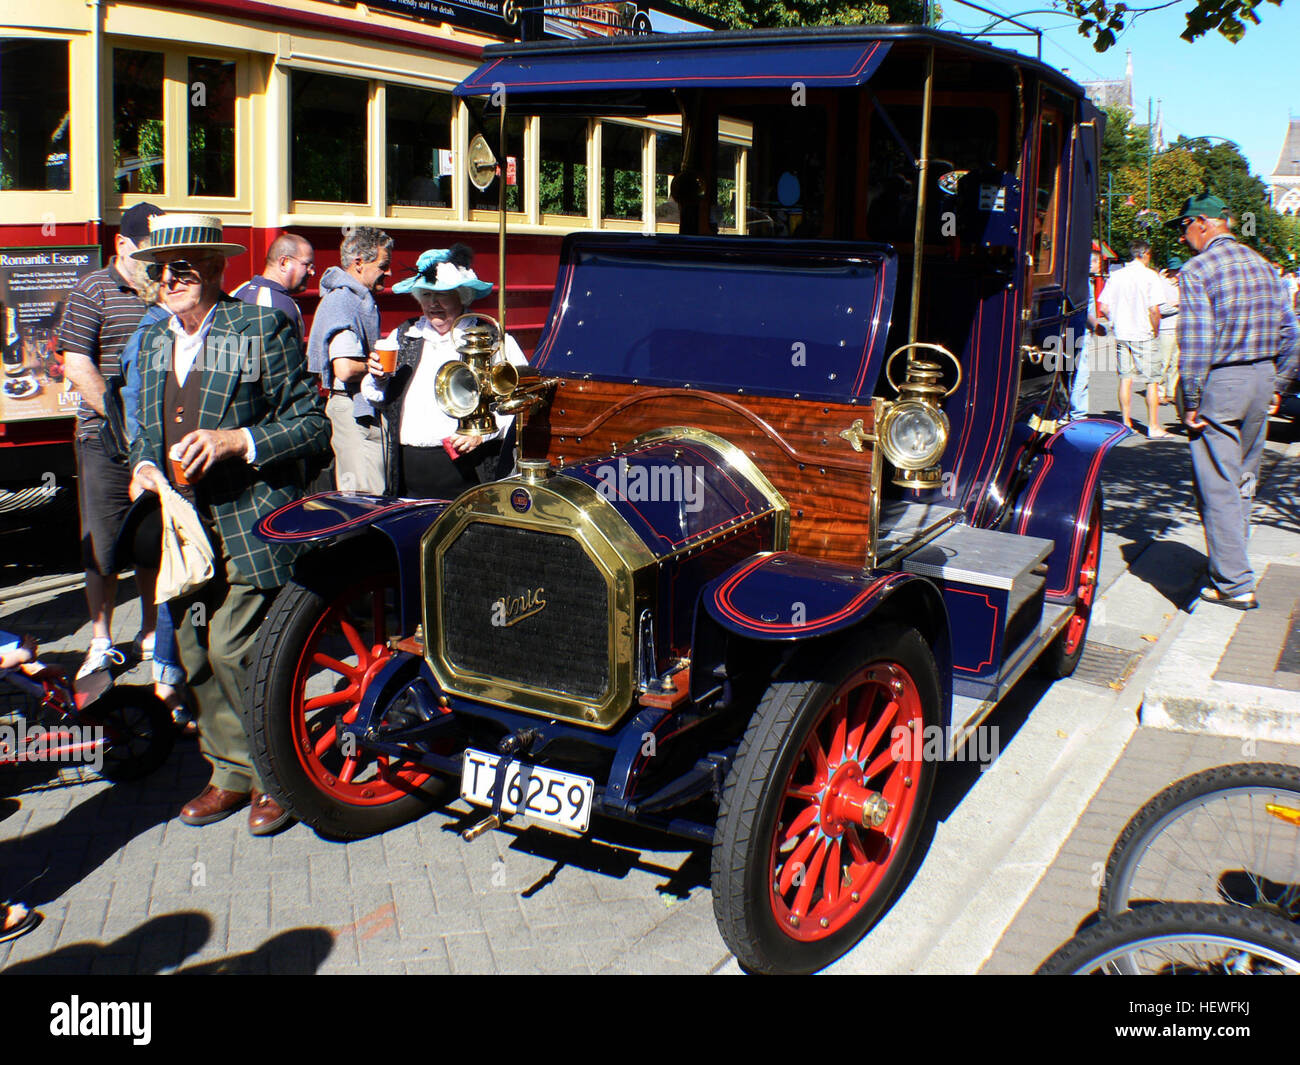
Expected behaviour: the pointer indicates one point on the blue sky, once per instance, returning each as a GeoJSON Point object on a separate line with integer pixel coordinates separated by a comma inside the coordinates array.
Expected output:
{"type": "Point", "coordinates": [1209, 87]}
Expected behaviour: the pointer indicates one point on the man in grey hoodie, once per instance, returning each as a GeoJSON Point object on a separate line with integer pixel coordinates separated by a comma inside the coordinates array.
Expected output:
{"type": "Point", "coordinates": [344, 329]}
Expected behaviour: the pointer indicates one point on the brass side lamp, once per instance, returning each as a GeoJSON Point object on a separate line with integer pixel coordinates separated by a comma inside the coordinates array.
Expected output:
{"type": "Point", "coordinates": [483, 380]}
{"type": "Point", "coordinates": [913, 429]}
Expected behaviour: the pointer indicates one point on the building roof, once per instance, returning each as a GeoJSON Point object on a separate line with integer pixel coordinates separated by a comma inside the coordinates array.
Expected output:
{"type": "Point", "coordinates": [1288, 162]}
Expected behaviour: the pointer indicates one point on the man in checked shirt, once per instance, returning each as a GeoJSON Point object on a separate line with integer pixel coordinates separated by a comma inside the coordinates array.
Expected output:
{"type": "Point", "coordinates": [1239, 349]}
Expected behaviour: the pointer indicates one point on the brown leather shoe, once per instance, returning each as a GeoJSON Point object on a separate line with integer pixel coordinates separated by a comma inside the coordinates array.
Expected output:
{"type": "Point", "coordinates": [212, 804]}
{"type": "Point", "coordinates": [266, 816]}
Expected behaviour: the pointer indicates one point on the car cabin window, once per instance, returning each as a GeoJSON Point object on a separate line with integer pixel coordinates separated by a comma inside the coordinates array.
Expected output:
{"type": "Point", "coordinates": [562, 174]}
{"type": "Point", "coordinates": [1047, 198]}
{"type": "Point", "coordinates": [622, 181]}
{"type": "Point", "coordinates": [211, 133]}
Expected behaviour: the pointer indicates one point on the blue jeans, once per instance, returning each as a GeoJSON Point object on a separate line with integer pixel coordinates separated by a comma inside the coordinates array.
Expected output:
{"type": "Point", "coordinates": [167, 668]}
{"type": "Point", "coordinates": [1079, 384]}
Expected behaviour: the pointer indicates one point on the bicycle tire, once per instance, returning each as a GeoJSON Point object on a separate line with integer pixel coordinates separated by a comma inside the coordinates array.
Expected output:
{"type": "Point", "coordinates": [1211, 838]}
{"type": "Point", "coordinates": [1181, 939]}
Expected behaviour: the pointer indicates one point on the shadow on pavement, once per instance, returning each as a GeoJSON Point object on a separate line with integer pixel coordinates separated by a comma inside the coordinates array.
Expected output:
{"type": "Point", "coordinates": [57, 857]}
{"type": "Point", "coordinates": [165, 942]}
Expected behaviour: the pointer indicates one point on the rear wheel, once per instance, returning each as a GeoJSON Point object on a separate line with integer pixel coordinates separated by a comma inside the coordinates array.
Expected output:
{"type": "Point", "coordinates": [1061, 658]}
{"type": "Point", "coordinates": [320, 649]}
{"type": "Point", "coordinates": [824, 803]}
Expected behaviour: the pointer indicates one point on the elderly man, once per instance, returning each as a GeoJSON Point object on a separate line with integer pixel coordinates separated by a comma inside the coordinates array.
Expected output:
{"type": "Point", "coordinates": [1238, 349]}
{"type": "Point", "coordinates": [290, 261]}
{"type": "Point", "coordinates": [345, 327]}
{"type": "Point", "coordinates": [1131, 301]}
{"type": "Point", "coordinates": [224, 390]}
{"type": "Point", "coordinates": [102, 313]}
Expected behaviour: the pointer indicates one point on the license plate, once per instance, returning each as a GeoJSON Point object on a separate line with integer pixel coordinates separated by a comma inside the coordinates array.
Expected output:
{"type": "Point", "coordinates": [561, 799]}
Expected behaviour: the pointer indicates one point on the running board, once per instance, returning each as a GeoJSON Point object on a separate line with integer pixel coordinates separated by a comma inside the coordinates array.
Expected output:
{"type": "Point", "coordinates": [971, 711]}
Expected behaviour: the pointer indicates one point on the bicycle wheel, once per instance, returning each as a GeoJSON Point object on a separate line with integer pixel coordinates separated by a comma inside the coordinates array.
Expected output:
{"type": "Point", "coordinates": [1181, 939]}
{"type": "Point", "coordinates": [1225, 835]}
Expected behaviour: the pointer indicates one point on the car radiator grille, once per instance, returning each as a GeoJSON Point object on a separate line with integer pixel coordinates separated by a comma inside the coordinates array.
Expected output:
{"type": "Point", "coordinates": [564, 647]}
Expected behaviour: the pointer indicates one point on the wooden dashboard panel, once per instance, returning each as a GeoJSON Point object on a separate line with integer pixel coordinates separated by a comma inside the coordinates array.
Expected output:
{"type": "Point", "coordinates": [795, 443]}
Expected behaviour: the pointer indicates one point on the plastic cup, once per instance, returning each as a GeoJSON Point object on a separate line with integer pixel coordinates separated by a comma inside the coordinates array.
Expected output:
{"type": "Point", "coordinates": [386, 352]}
{"type": "Point", "coordinates": [178, 467]}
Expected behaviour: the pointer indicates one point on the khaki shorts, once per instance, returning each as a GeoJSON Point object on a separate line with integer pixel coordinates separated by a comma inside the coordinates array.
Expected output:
{"type": "Point", "coordinates": [1139, 360]}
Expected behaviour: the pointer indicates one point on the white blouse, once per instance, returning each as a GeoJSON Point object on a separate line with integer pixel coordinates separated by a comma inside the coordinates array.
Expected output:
{"type": "Point", "coordinates": [423, 422]}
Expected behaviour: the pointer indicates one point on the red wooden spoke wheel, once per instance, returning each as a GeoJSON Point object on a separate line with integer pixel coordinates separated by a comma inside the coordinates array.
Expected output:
{"type": "Point", "coordinates": [847, 801]}
{"type": "Point", "coordinates": [341, 656]}
{"type": "Point", "coordinates": [825, 800]}
{"type": "Point", "coordinates": [320, 648]}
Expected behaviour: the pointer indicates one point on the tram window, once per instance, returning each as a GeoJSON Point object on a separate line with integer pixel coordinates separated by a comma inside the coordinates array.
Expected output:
{"type": "Point", "coordinates": [516, 169]}
{"type": "Point", "coordinates": [621, 185]}
{"type": "Point", "coordinates": [668, 163]}
{"type": "Point", "coordinates": [138, 121]}
{"type": "Point", "coordinates": [212, 92]}
{"type": "Point", "coordinates": [418, 130]}
{"type": "Point", "coordinates": [724, 203]}
{"type": "Point", "coordinates": [563, 172]}
{"type": "Point", "coordinates": [329, 132]}
{"type": "Point", "coordinates": [34, 138]}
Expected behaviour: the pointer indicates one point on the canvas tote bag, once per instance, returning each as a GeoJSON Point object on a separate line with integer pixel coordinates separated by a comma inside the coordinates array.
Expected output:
{"type": "Point", "coordinates": [186, 564]}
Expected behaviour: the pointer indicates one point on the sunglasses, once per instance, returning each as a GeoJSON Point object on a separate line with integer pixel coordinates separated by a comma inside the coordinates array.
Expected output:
{"type": "Point", "coordinates": [181, 270]}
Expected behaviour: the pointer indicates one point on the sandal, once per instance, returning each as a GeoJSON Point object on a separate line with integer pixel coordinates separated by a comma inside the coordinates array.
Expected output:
{"type": "Point", "coordinates": [1236, 602]}
{"type": "Point", "coordinates": [29, 920]}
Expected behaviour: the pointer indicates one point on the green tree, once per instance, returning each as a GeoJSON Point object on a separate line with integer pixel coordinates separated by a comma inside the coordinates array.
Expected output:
{"type": "Point", "coordinates": [755, 14]}
{"type": "Point", "coordinates": [1104, 20]}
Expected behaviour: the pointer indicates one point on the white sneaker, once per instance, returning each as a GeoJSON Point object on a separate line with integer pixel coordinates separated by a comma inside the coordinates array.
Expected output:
{"type": "Point", "coordinates": [101, 655]}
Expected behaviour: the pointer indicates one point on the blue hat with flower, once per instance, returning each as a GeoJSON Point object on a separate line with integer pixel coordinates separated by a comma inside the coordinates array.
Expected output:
{"type": "Point", "coordinates": [444, 269]}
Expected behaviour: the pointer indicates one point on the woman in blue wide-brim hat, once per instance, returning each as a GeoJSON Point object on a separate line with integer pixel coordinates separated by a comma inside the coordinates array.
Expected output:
{"type": "Point", "coordinates": [425, 456]}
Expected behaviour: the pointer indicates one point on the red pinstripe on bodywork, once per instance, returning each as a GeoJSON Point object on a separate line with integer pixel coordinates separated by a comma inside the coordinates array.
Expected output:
{"type": "Point", "coordinates": [722, 599]}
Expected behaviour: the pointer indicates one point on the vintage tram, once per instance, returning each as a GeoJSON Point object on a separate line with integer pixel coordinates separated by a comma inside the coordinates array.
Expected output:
{"type": "Point", "coordinates": [794, 491]}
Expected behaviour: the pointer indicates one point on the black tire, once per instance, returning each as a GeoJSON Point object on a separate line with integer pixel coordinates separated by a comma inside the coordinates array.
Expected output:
{"type": "Point", "coordinates": [1210, 838]}
{"type": "Point", "coordinates": [139, 734]}
{"type": "Point", "coordinates": [280, 721]}
{"type": "Point", "coordinates": [1181, 939]}
{"type": "Point", "coordinates": [1062, 656]}
{"type": "Point", "coordinates": [756, 897]}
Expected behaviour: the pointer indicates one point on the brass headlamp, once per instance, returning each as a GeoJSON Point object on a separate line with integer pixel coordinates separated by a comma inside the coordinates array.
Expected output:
{"type": "Point", "coordinates": [913, 429]}
{"type": "Point", "coordinates": [466, 389]}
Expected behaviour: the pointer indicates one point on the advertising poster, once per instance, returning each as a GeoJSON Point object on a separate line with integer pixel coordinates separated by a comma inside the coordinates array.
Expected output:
{"type": "Point", "coordinates": [34, 284]}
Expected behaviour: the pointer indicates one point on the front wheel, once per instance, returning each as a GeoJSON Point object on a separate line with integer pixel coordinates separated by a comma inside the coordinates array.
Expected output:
{"type": "Point", "coordinates": [1228, 834]}
{"type": "Point", "coordinates": [824, 803]}
{"type": "Point", "coordinates": [319, 649]}
{"type": "Point", "coordinates": [1181, 940]}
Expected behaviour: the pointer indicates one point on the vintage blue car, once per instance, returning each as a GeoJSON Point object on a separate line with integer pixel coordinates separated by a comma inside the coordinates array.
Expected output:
{"type": "Point", "coordinates": [795, 502]}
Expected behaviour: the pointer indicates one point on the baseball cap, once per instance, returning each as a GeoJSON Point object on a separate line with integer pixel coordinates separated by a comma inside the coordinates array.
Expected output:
{"type": "Point", "coordinates": [135, 221]}
{"type": "Point", "coordinates": [1204, 204]}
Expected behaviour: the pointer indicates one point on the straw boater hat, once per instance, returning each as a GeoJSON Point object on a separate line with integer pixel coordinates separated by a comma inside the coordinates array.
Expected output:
{"type": "Point", "coordinates": [439, 270]}
{"type": "Point", "coordinates": [186, 232]}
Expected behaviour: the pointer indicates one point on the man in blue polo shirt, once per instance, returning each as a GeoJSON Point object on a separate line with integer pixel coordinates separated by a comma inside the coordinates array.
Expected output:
{"type": "Point", "coordinates": [290, 261]}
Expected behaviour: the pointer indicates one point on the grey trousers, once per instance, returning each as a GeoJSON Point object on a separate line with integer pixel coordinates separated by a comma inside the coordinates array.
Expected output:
{"type": "Point", "coordinates": [358, 449]}
{"type": "Point", "coordinates": [1225, 464]}
{"type": "Point", "coordinates": [216, 629]}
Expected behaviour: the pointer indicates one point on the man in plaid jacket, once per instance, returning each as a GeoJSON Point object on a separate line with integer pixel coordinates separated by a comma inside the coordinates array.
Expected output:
{"type": "Point", "coordinates": [1238, 346]}
{"type": "Point", "coordinates": [226, 395]}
